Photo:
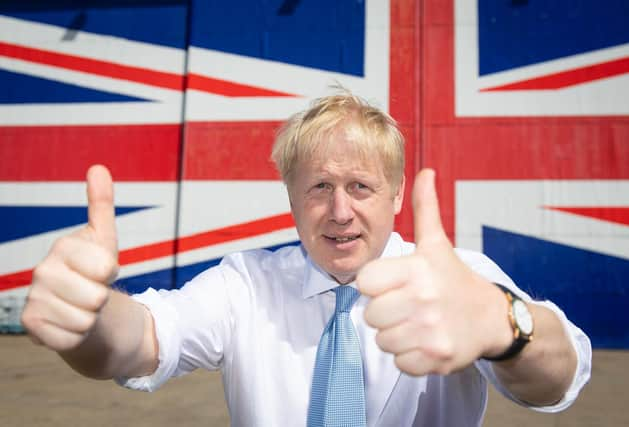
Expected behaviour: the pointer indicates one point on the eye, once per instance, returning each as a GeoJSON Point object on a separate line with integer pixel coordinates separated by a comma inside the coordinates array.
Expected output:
{"type": "Point", "coordinates": [359, 190]}
{"type": "Point", "coordinates": [321, 187]}
{"type": "Point", "coordinates": [358, 186]}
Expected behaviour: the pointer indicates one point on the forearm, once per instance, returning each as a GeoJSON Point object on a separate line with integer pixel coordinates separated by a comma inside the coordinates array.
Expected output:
{"type": "Point", "coordinates": [122, 342]}
{"type": "Point", "coordinates": [543, 372]}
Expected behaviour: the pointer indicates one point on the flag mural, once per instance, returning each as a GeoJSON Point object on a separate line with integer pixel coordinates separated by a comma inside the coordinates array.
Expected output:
{"type": "Point", "coordinates": [537, 151]}
{"type": "Point", "coordinates": [526, 127]}
{"type": "Point", "coordinates": [181, 100]}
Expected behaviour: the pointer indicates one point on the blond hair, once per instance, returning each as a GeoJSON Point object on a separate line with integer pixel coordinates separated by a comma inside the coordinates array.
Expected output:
{"type": "Point", "coordinates": [367, 128]}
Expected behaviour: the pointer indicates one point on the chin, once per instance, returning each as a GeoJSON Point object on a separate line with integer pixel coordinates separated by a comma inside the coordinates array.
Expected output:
{"type": "Point", "coordinates": [343, 275]}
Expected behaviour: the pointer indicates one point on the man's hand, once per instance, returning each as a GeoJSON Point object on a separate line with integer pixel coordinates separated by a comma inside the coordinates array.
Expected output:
{"type": "Point", "coordinates": [431, 311]}
{"type": "Point", "coordinates": [70, 286]}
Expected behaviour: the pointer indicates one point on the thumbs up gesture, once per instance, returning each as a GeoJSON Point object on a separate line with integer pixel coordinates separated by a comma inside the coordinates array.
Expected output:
{"type": "Point", "coordinates": [431, 311]}
{"type": "Point", "coordinates": [70, 286]}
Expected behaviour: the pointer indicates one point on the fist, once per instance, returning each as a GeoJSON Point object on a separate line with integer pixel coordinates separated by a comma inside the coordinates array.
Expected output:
{"type": "Point", "coordinates": [70, 286]}
{"type": "Point", "coordinates": [431, 311]}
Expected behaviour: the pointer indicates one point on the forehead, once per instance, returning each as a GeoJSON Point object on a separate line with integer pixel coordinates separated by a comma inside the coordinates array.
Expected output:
{"type": "Point", "coordinates": [342, 159]}
{"type": "Point", "coordinates": [346, 142]}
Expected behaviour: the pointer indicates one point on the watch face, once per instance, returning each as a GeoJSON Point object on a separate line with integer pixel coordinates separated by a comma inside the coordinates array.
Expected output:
{"type": "Point", "coordinates": [523, 317]}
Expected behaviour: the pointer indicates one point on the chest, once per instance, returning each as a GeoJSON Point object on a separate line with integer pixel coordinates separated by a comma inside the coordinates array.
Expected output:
{"type": "Point", "coordinates": [268, 373]}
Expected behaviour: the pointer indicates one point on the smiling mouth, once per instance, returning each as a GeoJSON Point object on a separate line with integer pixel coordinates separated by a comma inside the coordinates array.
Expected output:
{"type": "Point", "coordinates": [342, 239]}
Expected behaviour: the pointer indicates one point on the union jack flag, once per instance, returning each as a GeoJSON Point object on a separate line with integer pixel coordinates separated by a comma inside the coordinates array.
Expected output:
{"type": "Point", "coordinates": [521, 107]}
{"type": "Point", "coordinates": [180, 100]}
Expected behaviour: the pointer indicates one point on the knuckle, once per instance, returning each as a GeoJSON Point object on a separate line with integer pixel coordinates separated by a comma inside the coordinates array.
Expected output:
{"type": "Point", "coordinates": [26, 318]}
{"type": "Point", "coordinates": [62, 245]}
{"type": "Point", "coordinates": [36, 296]}
{"type": "Point", "coordinates": [447, 352]}
{"type": "Point", "coordinates": [443, 369]}
{"type": "Point", "coordinates": [63, 342]}
{"type": "Point", "coordinates": [400, 363]}
{"type": "Point", "coordinates": [86, 322]}
{"type": "Point", "coordinates": [369, 316]}
{"type": "Point", "coordinates": [408, 363]}
{"type": "Point", "coordinates": [416, 295]}
{"type": "Point", "coordinates": [432, 319]}
{"type": "Point", "coordinates": [444, 351]}
{"type": "Point", "coordinates": [382, 340]}
{"type": "Point", "coordinates": [42, 272]}
{"type": "Point", "coordinates": [98, 299]}
{"type": "Point", "coordinates": [31, 321]}
{"type": "Point", "coordinates": [107, 268]}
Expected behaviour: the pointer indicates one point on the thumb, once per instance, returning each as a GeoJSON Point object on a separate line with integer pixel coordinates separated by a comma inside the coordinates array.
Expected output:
{"type": "Point", "coordinates": [101, 217]}
{"type": "Point", "coordinates": [426, 216]}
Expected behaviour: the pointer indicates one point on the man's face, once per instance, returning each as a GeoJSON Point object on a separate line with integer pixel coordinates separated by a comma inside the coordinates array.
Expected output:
{"type": "Point", "coordinates": [343, 208]}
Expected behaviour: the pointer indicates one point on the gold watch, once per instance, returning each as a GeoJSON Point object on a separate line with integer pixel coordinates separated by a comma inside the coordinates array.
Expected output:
{"type": "Point", "coordinates": [521, 321]}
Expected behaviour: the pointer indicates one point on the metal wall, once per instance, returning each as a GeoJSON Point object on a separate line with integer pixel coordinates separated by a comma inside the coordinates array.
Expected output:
{"type": "Point", "coordinates": [522, 107]}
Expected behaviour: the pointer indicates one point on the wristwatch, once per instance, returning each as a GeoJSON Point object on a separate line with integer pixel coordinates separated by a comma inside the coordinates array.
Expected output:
{"type": "Point", "coordinates": [521, 322]}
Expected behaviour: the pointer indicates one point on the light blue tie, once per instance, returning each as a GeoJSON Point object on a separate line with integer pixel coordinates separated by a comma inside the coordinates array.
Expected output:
{"type": "Point", "coordinates": [337, 397]}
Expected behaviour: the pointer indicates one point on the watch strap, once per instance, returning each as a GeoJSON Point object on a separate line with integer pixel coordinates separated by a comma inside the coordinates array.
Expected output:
{"type": "Point", "coordinates": [520, 340]}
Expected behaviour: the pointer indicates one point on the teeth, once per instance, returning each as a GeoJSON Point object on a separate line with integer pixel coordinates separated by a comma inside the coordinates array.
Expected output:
{"type": "Point", "coordinates": [344, 239]}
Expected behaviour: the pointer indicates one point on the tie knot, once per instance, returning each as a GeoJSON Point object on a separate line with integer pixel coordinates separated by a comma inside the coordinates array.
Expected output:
{"type": "Point", "coordinates": [346, 296]}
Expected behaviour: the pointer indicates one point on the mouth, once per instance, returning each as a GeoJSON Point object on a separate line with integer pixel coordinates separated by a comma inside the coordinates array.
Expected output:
{"type": "Point", "coordinates": [342, 239]}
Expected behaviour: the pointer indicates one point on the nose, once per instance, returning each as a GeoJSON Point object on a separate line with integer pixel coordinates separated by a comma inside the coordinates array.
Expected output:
{"type": "Point", "coordinates": [341, 210]}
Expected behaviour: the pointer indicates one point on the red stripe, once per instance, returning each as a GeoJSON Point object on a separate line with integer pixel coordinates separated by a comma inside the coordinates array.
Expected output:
{"type": "Point", "coordinates": [569, 78]}
{"type": "Point", "coordinates": [15, 280]}
{"type": "Point", "coordinates": [94, 66]}
{"type": "Point", "coordinates": [225, 88]}
{"type": "Point", "coordinates": [208, 238]}
{"type": "Point", "coordinates": [134, 74]}
{"type": "Point", "coordinates": [64, 153]}
{"type": "Point", "coordinates": [230, 150]}
{"type": "Point", "coordinates": [184, 244]}
{"type": "Point", "coordinates": [214, 150]}
{"type": "Point", "coordinates": [615, 214]}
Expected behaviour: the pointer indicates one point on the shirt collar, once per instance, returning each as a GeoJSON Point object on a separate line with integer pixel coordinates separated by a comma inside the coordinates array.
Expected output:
{"type": "Point", "coordinates": [317, 281]}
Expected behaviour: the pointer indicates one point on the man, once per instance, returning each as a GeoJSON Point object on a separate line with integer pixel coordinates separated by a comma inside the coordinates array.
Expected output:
{"type": "Point", "coordinates": [295, 343]}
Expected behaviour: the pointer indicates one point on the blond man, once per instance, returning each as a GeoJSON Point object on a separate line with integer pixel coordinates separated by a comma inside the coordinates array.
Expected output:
{"type": "Point", "coordinates": [423, 330]}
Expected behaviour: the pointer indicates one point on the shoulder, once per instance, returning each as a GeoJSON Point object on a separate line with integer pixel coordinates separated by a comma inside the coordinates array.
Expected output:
{"type": "Point", "coordinates": [284, 258]}
{"type": "Point", "coordinates": [477, 261]}
{"type": "Point", "coordinates": [257, 267]}
{"type": "Point", "coordinates": [397, 246]}
{"type": "Point", "coordinates": [484, 266]}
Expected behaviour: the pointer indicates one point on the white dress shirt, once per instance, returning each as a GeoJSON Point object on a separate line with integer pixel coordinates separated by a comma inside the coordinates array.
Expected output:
{"type": "Point", "coordinates": [258, 317]}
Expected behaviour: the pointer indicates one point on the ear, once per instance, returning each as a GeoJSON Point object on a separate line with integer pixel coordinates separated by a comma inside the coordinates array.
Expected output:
{"type": "Point", "coordinates": [398, 198]}
{"type": "Point", "coordinates": [289, 193]}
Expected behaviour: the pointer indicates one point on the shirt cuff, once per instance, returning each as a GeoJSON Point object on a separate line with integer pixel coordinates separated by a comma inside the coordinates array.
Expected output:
{"type": "Point", "coordinates": [168, 340]}
{"type": "Point", "coordinates": [583, 349]}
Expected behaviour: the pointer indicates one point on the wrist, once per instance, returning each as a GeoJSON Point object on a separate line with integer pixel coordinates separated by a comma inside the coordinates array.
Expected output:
{"type": "Point", "coordinates": [520, 322]}
{"type": "Point", "coordinates": [498, 329]}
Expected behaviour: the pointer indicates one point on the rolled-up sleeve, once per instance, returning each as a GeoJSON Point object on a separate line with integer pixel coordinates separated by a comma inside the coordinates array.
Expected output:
{"type": "Point", "coordinates": [169, 343]}
{"type": "Point", "coordinates": [484, 266]}
{"type": "Point", "coordinates": [192, 327]}
{"type": "Point", "coordinates": [583, 348]}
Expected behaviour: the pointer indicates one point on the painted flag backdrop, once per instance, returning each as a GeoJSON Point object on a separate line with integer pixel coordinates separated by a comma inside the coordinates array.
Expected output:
{"type": "Point", "coordinates": [521, 106]}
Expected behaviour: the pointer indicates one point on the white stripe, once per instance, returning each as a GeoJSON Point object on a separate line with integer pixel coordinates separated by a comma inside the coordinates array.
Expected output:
{"type": "Point", "coordinates": [92, 81]}
{"type": "Point", "coordinates": [135, 229]}
{"type": "Point", "coordinates": [605, 97]}
{"type": "Point", "coordinates": [210, 252]}
{"type": "Point", "coordinates": [305, 82]}
{"type": "Point", "coordinates": [192, 257]}
{"type": "Point", "coordinates": [89, 45]}
{"type": "Point", "coordinates": [517, 207]}
{"type": "Point", "coordinates": [555, 66]}
{"type": "Point", "coordinates": [205, 206]}
{"type": "Point", "coordinates": [205, 107]}
{"type": "Point", "coordinates": [209, 205]}
{"type": "Point", "coordinates": [86, 113]}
